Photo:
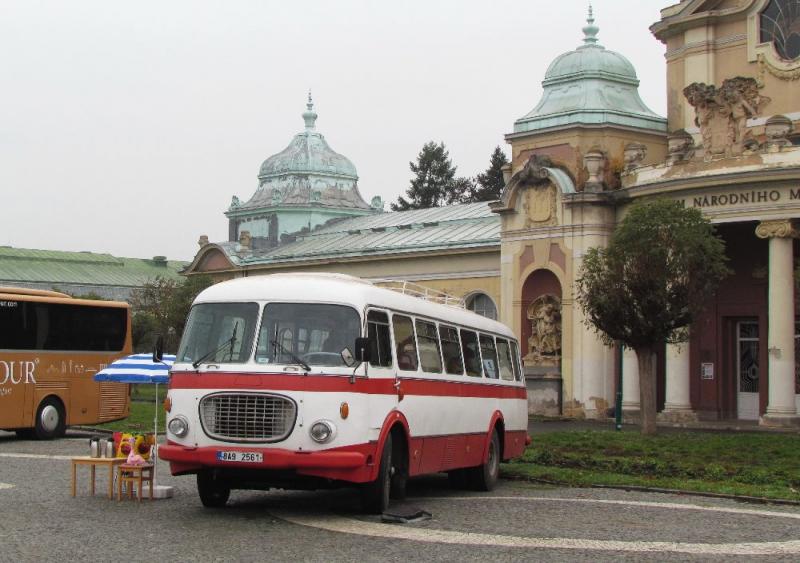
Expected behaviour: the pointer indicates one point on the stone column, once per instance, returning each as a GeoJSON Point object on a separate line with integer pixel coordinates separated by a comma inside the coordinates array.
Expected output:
{"type": "Point", "coordinates": [677, 407]}
{"type": "Point", "coordinates": [781, 407]}
{"type": "Point", "coordinates": [630, 382]}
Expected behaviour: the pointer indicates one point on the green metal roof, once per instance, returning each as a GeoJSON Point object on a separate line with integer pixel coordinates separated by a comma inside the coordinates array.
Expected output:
{"type": "Point", "coordinates": [55, 267]}
{"type": "Point", "coordinates": [471, 225]}
{"type": "Point", "coordinates": [590, 86]}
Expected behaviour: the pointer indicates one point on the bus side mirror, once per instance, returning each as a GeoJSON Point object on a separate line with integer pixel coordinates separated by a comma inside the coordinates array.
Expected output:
{"type": "Point", "coordinates": [158, 349]}
{"type": "Point", "coordinates": [362, 349]}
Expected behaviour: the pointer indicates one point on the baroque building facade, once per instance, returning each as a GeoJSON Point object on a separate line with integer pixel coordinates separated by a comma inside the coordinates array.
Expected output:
{"type": "Point", "coordinates": [587, 151]}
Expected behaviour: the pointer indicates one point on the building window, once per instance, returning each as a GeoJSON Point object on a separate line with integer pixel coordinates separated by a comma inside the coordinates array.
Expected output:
{"type": "Point", "coordinates": [483, 305]}
{"type": "Point", "coordinates": [780, 25]}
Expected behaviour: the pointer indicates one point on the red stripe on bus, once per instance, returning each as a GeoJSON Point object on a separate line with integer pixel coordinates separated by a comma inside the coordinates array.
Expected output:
{"type": "Point", "coordinates": [341, 384]}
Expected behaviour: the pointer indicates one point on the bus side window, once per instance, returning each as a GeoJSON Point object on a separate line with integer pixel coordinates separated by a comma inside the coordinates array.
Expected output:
{"type": "Point", "coordinates": [515, 360]}
{"type": "Point", "coordinates": [489, 353]}
{"type": "Point", "coordinates": [405, 344]}
{"type": "Point", "coordinates": [504, 360]}
{"type": "Point", "coordinates": [472, 353]}
{"type": "Point", "coordinates": [428, 345]}
{"type": "Point", "coordinates": [451, 350]}
{"type": "Point", "coordinates": [379, 339]}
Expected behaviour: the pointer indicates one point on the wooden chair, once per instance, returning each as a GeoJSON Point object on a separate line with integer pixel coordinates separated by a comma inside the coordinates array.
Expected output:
{"type": "Point", "coordinates": [133, 475]}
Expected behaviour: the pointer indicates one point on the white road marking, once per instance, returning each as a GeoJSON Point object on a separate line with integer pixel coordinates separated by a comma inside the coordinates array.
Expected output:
{"type": "Point", "coordinates": [36, 456]}
{"type": "Point", "coordinates": [675, 505]}
{"type": "Point", "coordinates": [360, 527]}
{"type": "Point", "coordinates": [5, 486]}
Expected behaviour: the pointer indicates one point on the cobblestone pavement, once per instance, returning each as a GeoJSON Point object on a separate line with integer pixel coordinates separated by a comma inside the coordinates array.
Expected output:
{"type": "Point", "coordinates": [39, 520]}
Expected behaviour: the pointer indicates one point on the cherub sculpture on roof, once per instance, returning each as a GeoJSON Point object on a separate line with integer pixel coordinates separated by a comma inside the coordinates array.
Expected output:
{"type": "Point", "coordinates": [722, 114]}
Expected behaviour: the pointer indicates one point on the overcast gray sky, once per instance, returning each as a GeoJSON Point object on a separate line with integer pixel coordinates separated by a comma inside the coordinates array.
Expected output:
{"type": "Point", "coordinates": [127, 127]}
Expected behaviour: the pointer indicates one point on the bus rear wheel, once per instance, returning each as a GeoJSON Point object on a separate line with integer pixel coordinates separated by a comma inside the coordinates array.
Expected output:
{"type": "Point", "coordinates": [484, 477]}
{"type": "Point", "coordinates": [50, 420]}
{"type": "Point", "coordinates": [213, 492]}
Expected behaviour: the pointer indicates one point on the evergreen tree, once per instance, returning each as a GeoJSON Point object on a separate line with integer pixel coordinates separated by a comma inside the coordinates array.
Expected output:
{"type": "Point", "coordinates": [490, 183]}
{"type": "Point", "coordinates": [461, 190]}
{"type": "Point", "coordinates": [433, 182]}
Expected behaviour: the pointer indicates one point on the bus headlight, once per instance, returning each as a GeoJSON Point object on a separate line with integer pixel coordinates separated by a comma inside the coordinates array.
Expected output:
{"type": "Point", "coordinates": [322, 431]}
{"type": "Point", "coordinates": [179, 426]}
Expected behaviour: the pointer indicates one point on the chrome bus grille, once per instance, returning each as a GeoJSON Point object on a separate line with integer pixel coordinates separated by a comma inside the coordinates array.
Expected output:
{"type": "Point", "coordinates": [247, 417]}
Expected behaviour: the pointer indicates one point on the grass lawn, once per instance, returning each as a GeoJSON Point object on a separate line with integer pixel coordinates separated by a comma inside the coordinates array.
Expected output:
{"type": "Point", "coordinates": [753, 464]}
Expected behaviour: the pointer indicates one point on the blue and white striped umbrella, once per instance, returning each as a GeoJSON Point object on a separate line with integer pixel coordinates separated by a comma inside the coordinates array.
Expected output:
{"type": "Point", "coordinates": [138, 368]}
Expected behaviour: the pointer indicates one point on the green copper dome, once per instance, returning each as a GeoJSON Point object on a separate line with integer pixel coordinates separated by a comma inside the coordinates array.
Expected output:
{"type": "Point", "coordinates": [306, 173]}
{"type": "Point", "coordinates": [590, 86]}
{"type": "Point", "coordinates": [308, 153]}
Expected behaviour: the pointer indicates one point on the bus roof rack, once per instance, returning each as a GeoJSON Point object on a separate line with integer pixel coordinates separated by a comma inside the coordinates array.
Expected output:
{"type": "Point", "coordinates": [421, 291]}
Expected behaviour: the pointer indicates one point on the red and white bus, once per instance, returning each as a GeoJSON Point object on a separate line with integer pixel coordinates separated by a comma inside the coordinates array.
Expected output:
{"type": "Point", "coordinates": [319, 380]}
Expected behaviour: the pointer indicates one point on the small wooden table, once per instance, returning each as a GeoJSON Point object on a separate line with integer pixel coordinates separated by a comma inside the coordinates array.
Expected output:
{"type": "Point", "coordinates": [134, 474]}
{"type": "Point", "coordinates": [93, 462]}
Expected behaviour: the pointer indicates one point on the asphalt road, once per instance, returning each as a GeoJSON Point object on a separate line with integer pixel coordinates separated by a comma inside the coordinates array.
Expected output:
{"type": "Point", "coordinates": [39, 520]}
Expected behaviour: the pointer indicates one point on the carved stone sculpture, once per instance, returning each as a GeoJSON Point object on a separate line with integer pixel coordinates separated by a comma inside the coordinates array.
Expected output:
{"type": "Point", "coordinates": [245, 240]}
{"type": "Point", "coordinates": [594, 161]}
{"type": "Point", "coordinates": [722, 114]}
{"type": "Point", "coordinates": [680, 147]}
{"type": "Point", "coordinates": [777, 130]}
{"type": "Point", "coordinates": [633, 155]}
{"type": "Point", "coordinates": [544, 344]}
{"type": "Point", "coordinates": [203, 240]}
{"type": "Point", "coordinates": [235, 202]}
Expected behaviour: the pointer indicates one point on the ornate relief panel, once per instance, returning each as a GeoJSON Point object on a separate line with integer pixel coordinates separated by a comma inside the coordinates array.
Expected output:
{"type": "Point", "coordinates": [540, 206]}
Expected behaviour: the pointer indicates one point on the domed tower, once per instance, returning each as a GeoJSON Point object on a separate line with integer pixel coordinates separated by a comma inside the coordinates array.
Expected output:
{"type": "Point", "coordinates": [303, 186]}
{"type": "Point", "coordinates": [590, 106]}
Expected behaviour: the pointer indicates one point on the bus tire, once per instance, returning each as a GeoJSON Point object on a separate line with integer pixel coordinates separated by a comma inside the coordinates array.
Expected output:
{"type": "Point", "coordinates": [213, 492]}
{"type": "Point", "coordinates": [375, 495]}
{"type": "Point", "coordinates": [484, 476]}
{"type": "Point", "coordinates": [50, 420]}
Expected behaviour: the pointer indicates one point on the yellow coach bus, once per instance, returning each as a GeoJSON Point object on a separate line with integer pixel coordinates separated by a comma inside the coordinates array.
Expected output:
{"type": "Point", "coordinates": [51, 345]}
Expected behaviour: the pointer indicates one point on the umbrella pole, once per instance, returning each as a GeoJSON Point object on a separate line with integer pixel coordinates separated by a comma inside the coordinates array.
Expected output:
{"type": "Point", "coordinates": [155, 441]}
{"type": "Point", "coordinates": [158, 492]}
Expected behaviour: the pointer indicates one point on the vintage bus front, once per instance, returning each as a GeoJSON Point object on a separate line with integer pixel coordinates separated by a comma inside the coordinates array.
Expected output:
{"type": "Point", "coordinates": [265, 394]}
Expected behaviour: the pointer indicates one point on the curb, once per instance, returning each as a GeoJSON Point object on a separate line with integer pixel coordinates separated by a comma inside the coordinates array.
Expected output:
{"type": "Point", "coordinates": [678, 492]}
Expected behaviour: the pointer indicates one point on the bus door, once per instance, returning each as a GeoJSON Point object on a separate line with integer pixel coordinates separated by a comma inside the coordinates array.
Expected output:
{"type": "Point", "coordinates": [381, 366]}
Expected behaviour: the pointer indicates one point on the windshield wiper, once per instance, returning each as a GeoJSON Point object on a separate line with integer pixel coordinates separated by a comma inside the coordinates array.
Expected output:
{"type": "Point", "coordinates": [230, 342]}
{"type": "Point", "coordinates": [294, 358]}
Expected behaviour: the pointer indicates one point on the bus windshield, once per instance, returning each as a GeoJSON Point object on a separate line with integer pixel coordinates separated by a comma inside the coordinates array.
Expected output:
{"type": "Point", "coordinates": [312, 332]}
{"type": "Point", "coordinates": [219, 333]}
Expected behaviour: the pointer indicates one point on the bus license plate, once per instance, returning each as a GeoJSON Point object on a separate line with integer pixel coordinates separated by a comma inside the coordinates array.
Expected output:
{"type": "Point", "coordinates": [246, 457]}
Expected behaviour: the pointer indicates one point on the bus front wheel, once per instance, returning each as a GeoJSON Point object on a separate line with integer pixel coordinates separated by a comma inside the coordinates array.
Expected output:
{"type": "Point", "coordinates": [375, 495]}
{"type": "Point", "coordinates": [213, 493]}
{"type": "Point", "coordinates": [50, 420]}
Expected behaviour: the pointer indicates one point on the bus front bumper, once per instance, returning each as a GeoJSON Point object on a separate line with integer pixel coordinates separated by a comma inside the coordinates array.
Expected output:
{"type": "Point", "coordinates": [336, 464]}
